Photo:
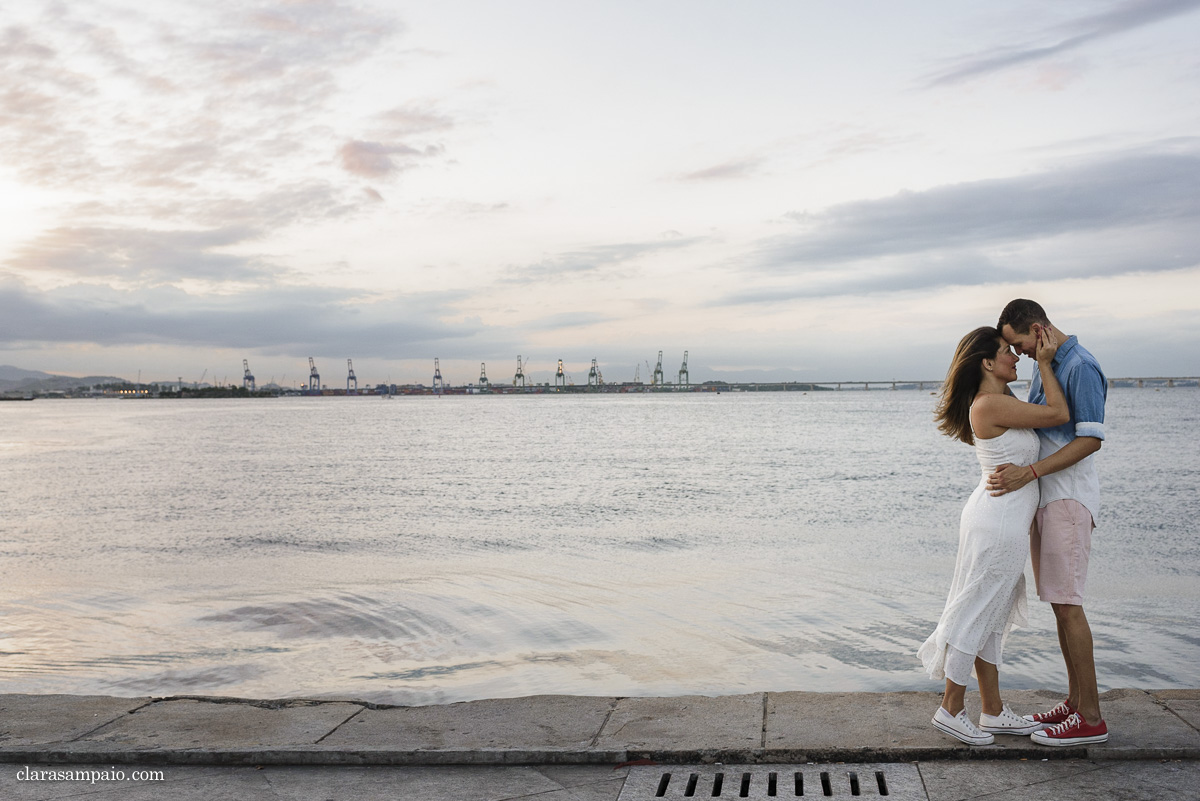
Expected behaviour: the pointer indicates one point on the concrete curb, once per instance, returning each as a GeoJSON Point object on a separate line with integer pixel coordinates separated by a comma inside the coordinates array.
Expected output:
{"type": "Point", "coordinates": [515, 757]}
{"type": "Point", "coordinates": [790, 727]}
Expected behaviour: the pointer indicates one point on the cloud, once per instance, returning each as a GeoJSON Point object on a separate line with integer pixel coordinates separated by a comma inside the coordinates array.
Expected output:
{"type": "Point", "coordinates": [1123, 17]}
{"type": "Point", "coordinates": [575, 319]}
{"type": "Point", "coordinates": [171, 117]}
{"type": "Point", "coordinates": [852, 144]}
{"type": "Point", "coordinates": [281, 205]}
{"type": "Point", "coordinates": [191, 139]}
{"type": "Point", "coordinates": [954, 269]}
{"type": "Point", "coordinates": [296, 321]}
{"type": "Point", "coordinates": [376, 160]}
{"type": "Point", "coordinates": [724, 172]}
{"type": "Point", "coordinates": [1127, 214]}
{"type": "Point", "coordinates": [458, 208]}
{"type": "Point", "coordinates": [390, 155]}
{"type": "Point", "coordinates": [1115, 193]}
{"type": "Point", "coordinates": [592, 262]}
{"type": "Point", "coordinates": [266, 209]}
{"type": "Point", "coordinates": [413, 119]}
{"type": "Point", "coordinates": [140, 255]}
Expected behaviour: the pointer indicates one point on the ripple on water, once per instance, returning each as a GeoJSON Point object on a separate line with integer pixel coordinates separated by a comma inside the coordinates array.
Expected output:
{"type": "Point", "coordinates": [470, 548]}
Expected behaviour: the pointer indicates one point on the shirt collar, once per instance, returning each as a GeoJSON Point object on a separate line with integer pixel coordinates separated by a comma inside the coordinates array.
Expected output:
{"type": "Point", "coordinates": [1065, 348]}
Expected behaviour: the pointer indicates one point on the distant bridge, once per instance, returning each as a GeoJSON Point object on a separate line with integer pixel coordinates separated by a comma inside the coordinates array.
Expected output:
{"type": "Point", "coordinates": [1167, 381]}
{"type": "Point", "coordinates": [1142, 382]}
{"type": "Point", "coordinates": [897, 384]}
{"type": "Point", "coordinates": [1155, 382]}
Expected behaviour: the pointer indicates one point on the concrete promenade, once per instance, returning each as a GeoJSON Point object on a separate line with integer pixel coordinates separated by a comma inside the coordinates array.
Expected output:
{"type": "Point", "coordinates": [566, 747]}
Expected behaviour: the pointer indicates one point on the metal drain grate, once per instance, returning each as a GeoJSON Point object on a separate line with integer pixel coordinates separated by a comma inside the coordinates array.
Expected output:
{"type": "Point", "coordinates": [895, 782]}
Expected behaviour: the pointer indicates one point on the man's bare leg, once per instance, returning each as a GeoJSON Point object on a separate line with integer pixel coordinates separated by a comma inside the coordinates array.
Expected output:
{"type": "Point", "coordinates": [1075, 638]}
{"type": "Point", "coordinates": [1065, 647]}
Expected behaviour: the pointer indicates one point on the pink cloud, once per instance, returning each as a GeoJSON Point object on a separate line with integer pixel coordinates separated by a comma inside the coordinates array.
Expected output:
{"type": "Point", "coordinates": [375, 159]}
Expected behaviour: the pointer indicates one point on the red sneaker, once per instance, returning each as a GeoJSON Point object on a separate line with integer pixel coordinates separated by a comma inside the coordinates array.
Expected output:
{"type": "Point", "coordinates": [1056, 715]}
{"type": "Point", "coordinates": [1072, 731]}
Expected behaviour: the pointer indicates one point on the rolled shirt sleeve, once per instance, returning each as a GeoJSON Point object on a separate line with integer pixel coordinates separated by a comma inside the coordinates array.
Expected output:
{"type": "Point", "coordinates": [1088, 391]}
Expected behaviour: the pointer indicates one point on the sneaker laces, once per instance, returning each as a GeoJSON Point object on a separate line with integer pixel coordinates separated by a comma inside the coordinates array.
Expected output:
{"type": "Point", "coordinates": [1061, 728]}
{"type": "Point", "coordinates": [1063, 708]}
{"type": "Point", "coordinates": [968, 724]}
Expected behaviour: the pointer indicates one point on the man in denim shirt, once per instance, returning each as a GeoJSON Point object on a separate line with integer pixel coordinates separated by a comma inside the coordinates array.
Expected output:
{"type": "Point", "coordinates": [1061, 536]}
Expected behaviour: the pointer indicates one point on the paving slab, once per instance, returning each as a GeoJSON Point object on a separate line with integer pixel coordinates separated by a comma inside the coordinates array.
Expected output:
{"type": "Point", "coordinates": [1140, 727]}
{"type": "Point", "coordinates": [1008, 780]}
{"type": "Point", "coordinates": [1061, 780]}
{"type": "Point", "coordinates": [424, 783]}
{"type": "Point", "coordinates": [804, 726]}
{"type": "Point", "coordinates": [588, 782]}
{"type": "Point", "coordinates": [191, 724]}
{"type": "Point", "coordinates": [559, 722]}
{"type": "Point", "coordinates": [1188, 711]}
{"type": "Point", "coordinates": [122, 784]}
{"type": "Point", "coordinates": [896, 726]}
{"type": "Point", "coordinates": [1184, 703]}
{"type": "Point", "coordinates": [291, 783]}
{"type": "Point", "coordinates": [686, 728]}
{"type": "Point", "coordinates": [562, 730]}
{"type": "Point", "coordinates": [44, 719]}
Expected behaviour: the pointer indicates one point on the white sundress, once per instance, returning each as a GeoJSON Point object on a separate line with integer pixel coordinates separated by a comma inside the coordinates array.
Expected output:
{"type": "Point", "coordinates": [987, 594]}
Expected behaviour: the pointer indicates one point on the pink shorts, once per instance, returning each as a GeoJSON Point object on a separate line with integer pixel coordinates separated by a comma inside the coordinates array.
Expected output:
{"type": "Point", "coordinates": [1060, 543]}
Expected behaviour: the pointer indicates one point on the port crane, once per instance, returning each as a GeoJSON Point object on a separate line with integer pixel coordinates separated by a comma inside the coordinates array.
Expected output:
{"type": "Point", "coordinates": [247, 376]}
{"type": "Point", "coordinates": [520, 376]}
{"type": "Point", "coordinates": [560, 378]}
{"type": "Point", "coordinates": [595, 379]}
{"type": "Point", "coordinates": [314, 378]}
{"type": "Point", "coordinates": [202, 375]}
{"type": "Point", "coordinates": [657, 378]}
{"type": "Point", "coordinates": [439, 385]}
{"type": "Point", "coordinates": [483, 381]}
{"type": "Point", "coordinates": [351, 378]}
{"type": "Point", "coordinates": [683, 372]}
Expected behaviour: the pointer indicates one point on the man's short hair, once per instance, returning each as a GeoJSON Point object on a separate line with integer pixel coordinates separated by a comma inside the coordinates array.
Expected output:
{"type": "Point", "coordinates": [1021, 314]}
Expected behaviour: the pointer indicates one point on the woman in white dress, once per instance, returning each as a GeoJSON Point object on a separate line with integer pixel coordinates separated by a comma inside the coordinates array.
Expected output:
{"type": "Point", "coordinates": [987, 594]}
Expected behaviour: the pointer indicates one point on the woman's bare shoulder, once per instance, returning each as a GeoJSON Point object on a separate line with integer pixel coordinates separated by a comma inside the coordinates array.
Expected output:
{"type": "Point", "coordinates": [989, 404]}
{"type": "Point", "coordinates": [992, 400]}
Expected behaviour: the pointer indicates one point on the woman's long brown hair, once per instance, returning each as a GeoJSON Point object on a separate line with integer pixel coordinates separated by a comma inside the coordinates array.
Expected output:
{"type": "Point", "coordinates": [962, 382]}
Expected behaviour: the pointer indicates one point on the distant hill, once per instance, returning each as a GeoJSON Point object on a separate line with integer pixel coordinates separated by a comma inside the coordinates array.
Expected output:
{"type": "Point", "coordinates": [10, 373]}
{"type": "Point", "coordinates": [16, 379]}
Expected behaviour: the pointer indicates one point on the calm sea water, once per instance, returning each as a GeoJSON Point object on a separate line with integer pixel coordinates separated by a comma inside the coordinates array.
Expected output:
{"type": "Point", "coordinates": [421, 550]}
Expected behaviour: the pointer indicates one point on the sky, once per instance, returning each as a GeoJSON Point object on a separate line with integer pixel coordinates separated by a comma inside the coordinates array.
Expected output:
{"type": "Point", "coordinates": [793, 190]}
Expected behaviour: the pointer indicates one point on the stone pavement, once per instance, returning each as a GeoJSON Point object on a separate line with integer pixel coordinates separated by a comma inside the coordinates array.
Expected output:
{"type": "Point", "coordinates": [958, 780]}
{"type": "Point", "coordinates": [565, 747]}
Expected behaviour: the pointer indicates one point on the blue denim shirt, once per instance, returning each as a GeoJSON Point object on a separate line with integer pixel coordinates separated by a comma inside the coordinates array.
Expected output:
{"type": "Point", "coordinates": [1086, 388]}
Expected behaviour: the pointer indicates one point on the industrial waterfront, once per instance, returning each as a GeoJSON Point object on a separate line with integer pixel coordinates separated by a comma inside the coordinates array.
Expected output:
{"type": "Point", "coordinates": [520, 384]}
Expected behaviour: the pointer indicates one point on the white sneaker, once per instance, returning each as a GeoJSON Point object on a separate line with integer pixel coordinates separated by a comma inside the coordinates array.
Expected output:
{"type": "Point", "coordinates": [1008, 722]}
{"type": "Point", "coordinates": [960, 726]}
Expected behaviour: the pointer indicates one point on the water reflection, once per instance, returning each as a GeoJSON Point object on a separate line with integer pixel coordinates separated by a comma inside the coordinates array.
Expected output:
{"type": "Point", "coordinates": [631, 546]}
